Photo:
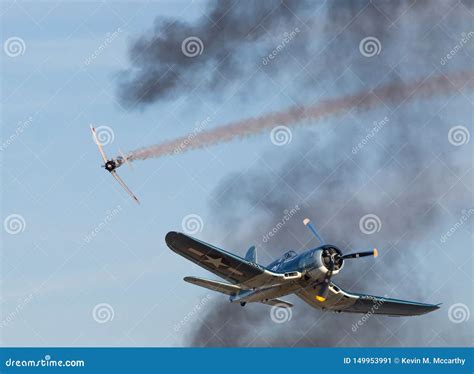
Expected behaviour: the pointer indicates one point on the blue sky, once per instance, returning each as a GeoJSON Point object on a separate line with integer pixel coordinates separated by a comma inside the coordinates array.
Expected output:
{"type": "Point", "coordinates": [51, 176]}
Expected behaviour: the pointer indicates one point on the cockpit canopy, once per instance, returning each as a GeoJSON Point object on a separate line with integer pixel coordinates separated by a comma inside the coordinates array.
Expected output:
{"type": "Point", "coordinates": [289, 254]}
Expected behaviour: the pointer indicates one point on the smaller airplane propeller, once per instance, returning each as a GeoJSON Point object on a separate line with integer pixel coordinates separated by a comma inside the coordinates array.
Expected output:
{"type": "Point", "coordinates": [333, 259]}
{"type": "Point", "coordinates": [112, 164]}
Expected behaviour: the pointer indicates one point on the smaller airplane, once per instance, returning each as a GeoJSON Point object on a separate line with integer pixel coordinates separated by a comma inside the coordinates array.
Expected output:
{"type": "Point", "coordinates": [114, 163]}
{"type": "Point", "coordinates": [308, 275]}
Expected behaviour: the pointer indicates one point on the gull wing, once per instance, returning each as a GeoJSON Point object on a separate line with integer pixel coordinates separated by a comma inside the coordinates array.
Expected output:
{"type": "Point", "coordinates": [122, 183]}
{"type": "Point", "coordinates": [226, 265]}
{"type": "Point", "coordinates": [343, 301]}
{"type": "Point", "coordinates": [99, 144]}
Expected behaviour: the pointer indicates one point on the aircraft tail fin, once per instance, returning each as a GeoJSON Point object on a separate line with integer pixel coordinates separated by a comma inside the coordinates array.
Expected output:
{"type": "Point", "coordinates": [222, 287]}
{"type": "Point", "coordinates": [251, 254]}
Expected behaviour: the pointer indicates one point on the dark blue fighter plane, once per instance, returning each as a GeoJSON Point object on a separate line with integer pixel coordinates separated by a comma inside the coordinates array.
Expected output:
{"type": "Point", "coordinates": [308, 275]}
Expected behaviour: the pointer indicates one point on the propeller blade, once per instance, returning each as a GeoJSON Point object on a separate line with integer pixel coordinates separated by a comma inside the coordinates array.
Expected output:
{"type": "Point", "coordinates": [308, 223]}
{"type": "Point", "coordinates": [374, 253]}
{"type": "Point", "coordinates": [323, 290]}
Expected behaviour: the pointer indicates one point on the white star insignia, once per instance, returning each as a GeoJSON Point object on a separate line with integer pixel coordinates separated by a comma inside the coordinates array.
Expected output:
{"type": "Point", "coordinates": [216, 262]}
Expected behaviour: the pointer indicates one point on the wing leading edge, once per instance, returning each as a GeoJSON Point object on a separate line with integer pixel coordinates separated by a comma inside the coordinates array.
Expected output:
{"type": "Point", "coordinates": [226, 265]}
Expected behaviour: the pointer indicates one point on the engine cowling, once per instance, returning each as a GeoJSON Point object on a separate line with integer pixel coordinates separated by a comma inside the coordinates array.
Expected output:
{"type": "Point", "coordinates": [321, 261]}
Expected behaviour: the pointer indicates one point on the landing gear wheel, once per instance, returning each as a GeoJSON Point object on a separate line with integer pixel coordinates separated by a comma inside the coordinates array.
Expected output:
{"type": "Point", "coordinates": [243, 303]}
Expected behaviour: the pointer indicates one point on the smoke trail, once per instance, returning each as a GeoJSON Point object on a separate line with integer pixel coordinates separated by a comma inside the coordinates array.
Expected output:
{"type": "Point", "coordinates": [393, 93]}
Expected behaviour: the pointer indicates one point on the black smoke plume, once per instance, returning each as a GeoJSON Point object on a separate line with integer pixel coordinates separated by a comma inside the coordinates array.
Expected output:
{"type": "Point", "coordinates": [164, 66]}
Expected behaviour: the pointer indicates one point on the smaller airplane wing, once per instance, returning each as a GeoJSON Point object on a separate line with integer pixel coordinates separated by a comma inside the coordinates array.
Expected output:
{"type": "Point", "coordinates": [122, 183]}
{"type": "Point", "coordinates": [99, 144]}
{"type": "Point", "coordinates": [344, 301]}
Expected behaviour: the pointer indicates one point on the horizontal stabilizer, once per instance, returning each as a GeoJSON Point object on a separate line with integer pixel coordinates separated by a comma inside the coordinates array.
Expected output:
{"type": "Point", "coordinates": [278, 302]}
{"type": "Point", "coordinates": [222, 287]}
